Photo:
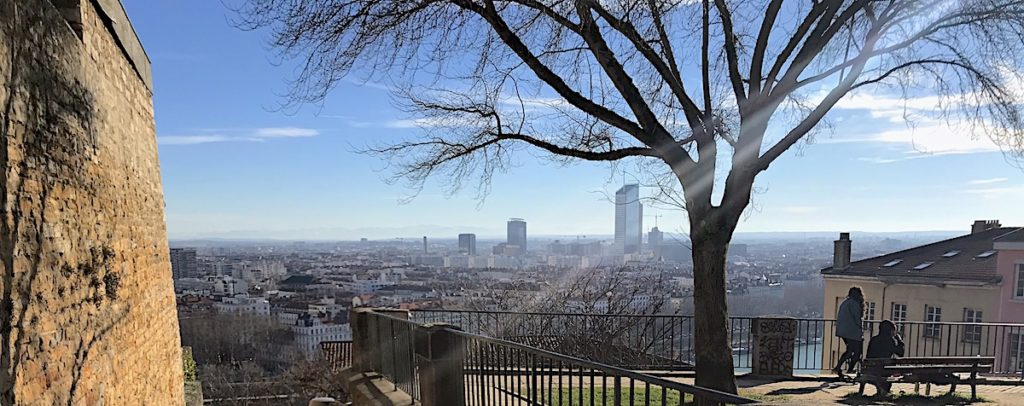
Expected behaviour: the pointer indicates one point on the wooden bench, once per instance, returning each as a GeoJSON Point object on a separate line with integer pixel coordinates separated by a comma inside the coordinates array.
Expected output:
{"type": "Point", "coordinates": [927, 370]}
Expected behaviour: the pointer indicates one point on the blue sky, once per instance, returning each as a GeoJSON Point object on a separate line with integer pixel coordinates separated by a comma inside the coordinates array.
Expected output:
{"type": "Point", "coordinates": [234, 166]}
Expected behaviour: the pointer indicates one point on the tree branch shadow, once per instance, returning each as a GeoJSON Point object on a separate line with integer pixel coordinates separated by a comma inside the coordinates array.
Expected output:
{"type": "Point", "coordinates": [46, 135]}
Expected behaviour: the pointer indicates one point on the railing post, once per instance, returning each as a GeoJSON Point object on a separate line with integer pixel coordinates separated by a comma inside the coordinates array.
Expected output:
{"type": "Point", "coordinates": [368, 338]}
{"type": "Point", "coordinates": [362, 344]}
{"type": "Point", "coordinates": [440, 355]}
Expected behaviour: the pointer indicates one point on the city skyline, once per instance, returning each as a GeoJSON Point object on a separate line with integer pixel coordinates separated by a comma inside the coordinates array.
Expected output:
{"type": "Point", "coordinates": [233, 165]}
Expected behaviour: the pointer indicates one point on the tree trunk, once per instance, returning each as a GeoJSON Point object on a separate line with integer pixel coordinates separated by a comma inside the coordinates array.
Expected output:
{"type": "Point", "coordinates": [711, 316]}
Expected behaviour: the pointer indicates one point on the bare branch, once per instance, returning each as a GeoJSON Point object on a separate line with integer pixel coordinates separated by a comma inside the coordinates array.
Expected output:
{"type": "Point", "coordinates": [731, 56]}
{"type": "Point", "coordinates": [761, 46]}
{"type": "Point", "coordinates": [669, 73]}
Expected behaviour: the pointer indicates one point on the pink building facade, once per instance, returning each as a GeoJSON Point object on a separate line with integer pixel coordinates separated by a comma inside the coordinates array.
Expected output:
{"type": "Point", "coordinates": [1010, 265]}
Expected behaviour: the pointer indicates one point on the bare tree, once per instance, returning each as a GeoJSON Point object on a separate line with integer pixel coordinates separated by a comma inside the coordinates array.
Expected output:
{"type": "Point", "coordinates": [608, 315]}
{"type": "Point", "coordinates": [218, 338]}
{"type": "Point", "coordinates": [705, 95]}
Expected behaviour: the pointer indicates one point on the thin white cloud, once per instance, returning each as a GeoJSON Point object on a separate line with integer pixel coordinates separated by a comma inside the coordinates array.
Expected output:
{"type": "Point", "coordinates": [1008, 192]}
{"type": "Point", "coordinates": [286, 132]}
{"type": "Point", "coordinates": [938, 137]}
{"type": "Point", "coordinates": [255, 135]}
{"type": "Point", "coordinates": [910, 156]}
{"type": "Point", "coordinates": [892, 108]}
{"type": "Point", "coordinates": [911, 122]}
{"type": "Point", "coordinates": [191, 139]}
{"type": "Point", "coordinates": [987, 181]}
{"type": "Point", "coordinates": [535, 103]}
{"type": "Point", "coordinates": [881, 160]}
{"type": "Point", "coordinates": [406, 123]}
{"type": "Point", "coordinates": [427, 123]}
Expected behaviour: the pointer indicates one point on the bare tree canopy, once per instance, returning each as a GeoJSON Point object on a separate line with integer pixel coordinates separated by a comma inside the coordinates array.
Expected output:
{"type": "Point", "coordinates": [707, 93]}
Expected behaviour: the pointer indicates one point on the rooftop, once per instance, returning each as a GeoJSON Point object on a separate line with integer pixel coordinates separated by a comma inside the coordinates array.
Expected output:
{"type": "Point", "coordinates": [967, 259]}
{"type": "Point", "coordinates": [1013, 236]}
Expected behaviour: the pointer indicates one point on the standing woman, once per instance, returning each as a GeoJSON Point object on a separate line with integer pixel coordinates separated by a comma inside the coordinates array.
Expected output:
{"type": "Point", "coordinates": [850, 327]}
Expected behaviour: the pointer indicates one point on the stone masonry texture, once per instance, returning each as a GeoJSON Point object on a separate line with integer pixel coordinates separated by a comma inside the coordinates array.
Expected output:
{"type": "Point", "coordinates": [87, 314]}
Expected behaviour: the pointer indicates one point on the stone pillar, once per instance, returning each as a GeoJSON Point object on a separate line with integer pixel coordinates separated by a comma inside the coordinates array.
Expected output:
{"type": "Point", "coordinates": [358, 320]}
{"type": "Point", "coordinates": [773, 346]}
{"type": "Point", "coordinates": [367, 336]}
{"type": "Point", "coordinates": [439, 355]}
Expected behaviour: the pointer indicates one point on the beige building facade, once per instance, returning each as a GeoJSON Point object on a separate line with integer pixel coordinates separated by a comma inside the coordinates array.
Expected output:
{"type": "Point", "coordinates": [932, 292]}
{"type": "Point", "coordinates": [910, 303]}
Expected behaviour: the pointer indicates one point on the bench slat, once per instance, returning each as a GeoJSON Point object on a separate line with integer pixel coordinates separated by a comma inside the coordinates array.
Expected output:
{"type": "Point", "coordinates": [937, 369]}
{"type": "Point", "coordinates": [947, 360]}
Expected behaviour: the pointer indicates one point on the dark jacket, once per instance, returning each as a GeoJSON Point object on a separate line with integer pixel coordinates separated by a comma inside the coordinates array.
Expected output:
{"type": "Point", "coordinates": [885, 347]}
{"type": "Point", "coordinates": [849, 320]}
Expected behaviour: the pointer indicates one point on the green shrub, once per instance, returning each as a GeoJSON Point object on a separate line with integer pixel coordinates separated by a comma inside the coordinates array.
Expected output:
{"type": "Point", "coordinates": [188, 364]}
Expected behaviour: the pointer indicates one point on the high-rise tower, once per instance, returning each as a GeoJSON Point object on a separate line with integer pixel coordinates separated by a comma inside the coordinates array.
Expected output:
{"type": "Point", "coordinates": [467, 244]}
{"type": "Point", "coordinates": [517, 233]}
{"type": "Point", "coordinates": [629, 214]}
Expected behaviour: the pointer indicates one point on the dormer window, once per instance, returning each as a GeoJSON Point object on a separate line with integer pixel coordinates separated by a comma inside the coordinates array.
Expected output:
{"type": "Point", "coordinates": [986, 254]}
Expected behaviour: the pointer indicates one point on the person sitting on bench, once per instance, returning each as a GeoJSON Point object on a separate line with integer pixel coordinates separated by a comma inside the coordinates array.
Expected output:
{"type": "Point", "coordinates": [887, 344]}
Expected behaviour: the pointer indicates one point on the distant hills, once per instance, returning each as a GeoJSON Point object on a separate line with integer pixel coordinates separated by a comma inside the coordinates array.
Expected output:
{"type": "Point", "coordinates": [450, 233]}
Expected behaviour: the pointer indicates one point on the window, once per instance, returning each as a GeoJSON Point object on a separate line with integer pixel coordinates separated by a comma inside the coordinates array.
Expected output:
{"type": "Point", "coordinates": [1018, 292]}
{"type": "Point", "coordinates": [972, 334]}
{"type": "Point", "coordinates": [950, 254]}
{"type": "Point", "coordinates": [869, 314]}
{"type": "Point", "coordinates": [899, 315]}
{"type": "Point", "coordinates": [986, 254]}
{"type": "Point", "coordinates": [932, 315]}
{"type": "Point", "coordinates": [892, 263]}
{"type": "Point", "coordinates": [923, 265]}
{"type": "Point", "coordinates": [1015, 355]}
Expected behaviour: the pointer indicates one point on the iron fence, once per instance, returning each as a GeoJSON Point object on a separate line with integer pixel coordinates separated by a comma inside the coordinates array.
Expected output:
{"type": "Point", "coordinates": [500, 372]}
{"type": "Point", "coordinates": [392, 352]}
{"type": "Point", "coordinates": [338, 354]}
{"type": "Point", "coordinates": [665, 342]}
{"type": "Point", "coordinates": [1004, 341]}
{"type": "Point", "coordinates": [494, 371]}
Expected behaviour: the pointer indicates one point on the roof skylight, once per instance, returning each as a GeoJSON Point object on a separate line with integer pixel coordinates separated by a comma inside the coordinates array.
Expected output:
{"type": "Point", "coordinates": [951, 254]}
{"type": "Point", "coordinates": [923, 265]}
{"type": "Point", "coordinates": [892, 263]}
{"type": "Point", "coordinates": [986, 254]}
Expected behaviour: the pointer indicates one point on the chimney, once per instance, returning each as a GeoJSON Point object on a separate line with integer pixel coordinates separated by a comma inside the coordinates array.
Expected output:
{"type": "Point", "coordinates": [841, 255]}
{"type": "Point", "coordinates": [984, 225]}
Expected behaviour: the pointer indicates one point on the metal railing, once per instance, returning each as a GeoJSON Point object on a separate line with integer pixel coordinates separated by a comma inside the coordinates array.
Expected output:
{"type": "Point", "coordinates": [392, 352]}
{"type": "Point", "coordinates": [1004, 341]}
{"type": "Point", "coordinates": [665, 342]}
{"type": "Point", "coordinates": [493, 371]}
{"type": "Point", "coordinates": [338, 354]}
{"type": "Point", "coordinates": [500, 372]}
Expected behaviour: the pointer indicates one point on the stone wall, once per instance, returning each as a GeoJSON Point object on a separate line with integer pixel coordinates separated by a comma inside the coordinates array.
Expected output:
{"type": "Point", "coordinates": [87, 311]}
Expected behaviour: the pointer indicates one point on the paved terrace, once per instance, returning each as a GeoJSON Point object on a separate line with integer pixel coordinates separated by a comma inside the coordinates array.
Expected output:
{"type": "Point", "coordinates": [812, 392]}
{"type": "Point", "coordinates": [772, 392]}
